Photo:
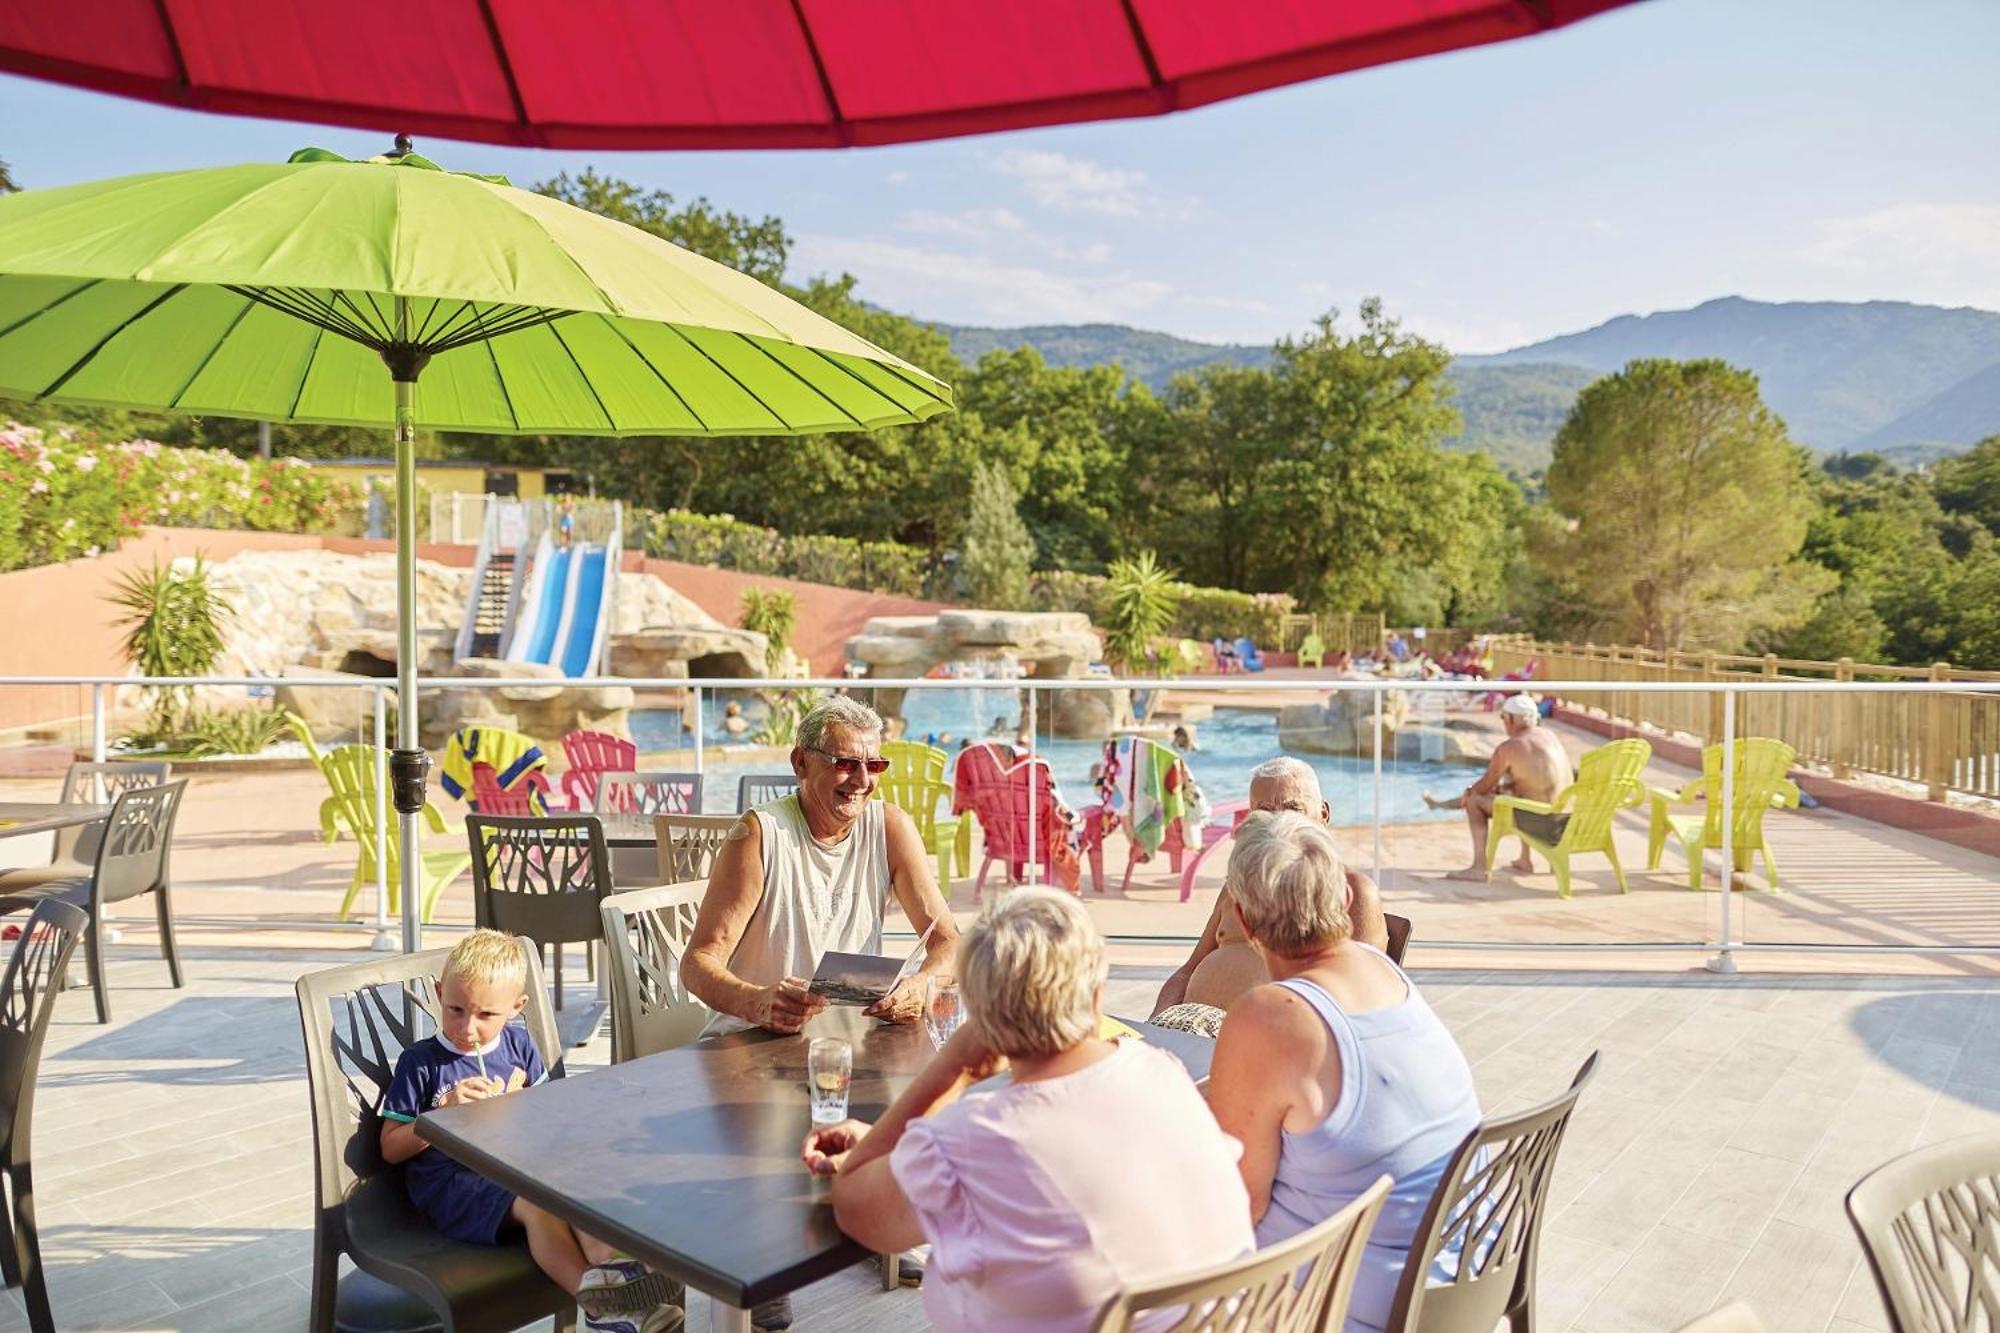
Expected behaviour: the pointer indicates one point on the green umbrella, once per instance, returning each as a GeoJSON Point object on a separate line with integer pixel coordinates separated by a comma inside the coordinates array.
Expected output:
{"type": "Point", "coordinates": [282, 291]}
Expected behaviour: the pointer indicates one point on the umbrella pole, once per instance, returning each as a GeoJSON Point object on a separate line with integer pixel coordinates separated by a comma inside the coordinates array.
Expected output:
{"type": "Point", "coordinates": [409, 765]}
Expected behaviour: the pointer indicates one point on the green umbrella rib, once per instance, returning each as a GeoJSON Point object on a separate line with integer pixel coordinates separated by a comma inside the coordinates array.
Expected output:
{"type": "Point", "coordinates": [123, 325]}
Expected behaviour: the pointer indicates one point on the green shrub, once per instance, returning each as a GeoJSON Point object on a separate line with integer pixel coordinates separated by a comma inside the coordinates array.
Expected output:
{"type": "Point", "coordinates": [232, 731]}
{"type": "Point", "coordinates": [1140, 601]}
{"type": "Point", "coordinates": [1203, 613]}
{"type": "Point", "coordinates": [721, 542]}
{"type": "Point", "coordinates": [173, 627]}
{"type": "Point", "coordinates": [65, 494]}
{"type": "Point", "coordinates": [771, 612]}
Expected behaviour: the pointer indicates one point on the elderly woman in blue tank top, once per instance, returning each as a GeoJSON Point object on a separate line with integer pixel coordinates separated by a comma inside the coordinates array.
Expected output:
{"type": "Point", "coordinates": [1337, 1071]}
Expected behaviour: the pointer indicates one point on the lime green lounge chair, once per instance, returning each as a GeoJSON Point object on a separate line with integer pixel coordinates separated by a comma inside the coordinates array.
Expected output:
{"type": "Point", "coordinates": [921, 799]}
{"type": "Point", "coordinates": [350, 772]}
{"type": "Point", "coordinates": [1760, 787]}
{"type": "Point", "coordinates": [1312, 652]}
{"type": "Point", "coordinates": [1607, 781]}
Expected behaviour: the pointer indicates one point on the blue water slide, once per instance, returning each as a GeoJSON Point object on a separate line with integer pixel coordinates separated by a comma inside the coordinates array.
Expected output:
{"type": "Point", "coordinates": [587, 604]}
{"type": "Point", "coordinates": [552, 587]}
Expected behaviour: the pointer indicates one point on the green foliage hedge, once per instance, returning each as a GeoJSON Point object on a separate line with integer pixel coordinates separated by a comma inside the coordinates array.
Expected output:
{"type": "Point", "coordinates": [65, 495]}
{"type": "Point", "coordinates": [1205, 613]}
{"type": "Point", "coordinates": [721, 541]}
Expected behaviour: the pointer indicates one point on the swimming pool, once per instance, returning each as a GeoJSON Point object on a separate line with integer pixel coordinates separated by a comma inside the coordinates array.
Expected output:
{"type": "Point", "coordinates": [1232, 743]}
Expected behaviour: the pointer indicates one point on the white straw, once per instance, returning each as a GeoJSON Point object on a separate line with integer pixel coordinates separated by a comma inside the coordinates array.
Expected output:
{"type": "Point", "coordinates": [480, 1056]}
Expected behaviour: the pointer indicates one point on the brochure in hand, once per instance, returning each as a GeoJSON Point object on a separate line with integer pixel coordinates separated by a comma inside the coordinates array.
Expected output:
{"type": "Point", "coordinates": [863, 978]}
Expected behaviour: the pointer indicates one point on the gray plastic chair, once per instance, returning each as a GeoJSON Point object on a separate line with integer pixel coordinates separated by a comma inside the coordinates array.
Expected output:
{"type": "Point", "coordinates": [100, 784]}
{"type": "Point", "coordinates": [542, 877]}
{"type": "Point", "coordinates": [1399, 936]}
{"type": "Point", "coordinates": [645, 933]}
{"type": "Point", "coordinates": [357, 1021]}
{"type": "Point", "coordinates": [132, 859]}
{"type": "Point", "coordinates": [649, 793]}
{"type": "Point", "coordinates": [27, 999]}
{"type": "Point", "coordinates": [1929, 1222]}
{"type": "Point", "coordinates": [753, 789]}
{"type": "Point", "coordinates": [688, 843]}
{"type": "Point", "coordinates": [1301, 1285]}
{"type": "Point", "coordinates": [1488, 1210]}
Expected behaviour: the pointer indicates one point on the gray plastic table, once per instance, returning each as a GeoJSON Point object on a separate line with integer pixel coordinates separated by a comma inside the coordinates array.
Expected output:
{"type": "Point", "coordinates": [18, 818]}
{"type": "Point", "coordinates": [689, 1160]}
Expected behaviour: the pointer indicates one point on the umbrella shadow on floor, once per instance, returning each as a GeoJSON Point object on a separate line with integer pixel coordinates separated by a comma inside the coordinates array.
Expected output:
{"type": "Point", "coordinates": [1943, 1039]}
{"type": "Point", "coordinates": [192, 1040]}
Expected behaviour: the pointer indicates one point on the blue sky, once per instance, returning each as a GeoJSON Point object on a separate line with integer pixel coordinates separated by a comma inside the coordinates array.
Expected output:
{"type": "Point", "coordinates": [1648, 159]}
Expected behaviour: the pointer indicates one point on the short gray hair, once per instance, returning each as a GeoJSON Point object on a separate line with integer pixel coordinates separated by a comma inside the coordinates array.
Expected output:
{"type": "Point", "coordinates": [1287, 880]}
{"type": "Point", "coordinates": [1287, 769]}
{"type": "Point", "coordinates": [1031, 966]}
{"type": "Point", "coordinates": [836, 710]}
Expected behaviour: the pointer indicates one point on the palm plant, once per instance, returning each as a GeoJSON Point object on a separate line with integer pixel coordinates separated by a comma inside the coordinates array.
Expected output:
{"type": "Point", "coordinates": [771, 612]}
{"type": "Point", "coordinates": [173, 627]}
{"type": "Point", "coordinates": [1140, 600]}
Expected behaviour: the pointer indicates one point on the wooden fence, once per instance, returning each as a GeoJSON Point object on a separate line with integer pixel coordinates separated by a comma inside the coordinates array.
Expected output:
{"type": "Point", "coordinates": [1341, 632]}
{"type": "Point", "coordinates": [1947, 741]}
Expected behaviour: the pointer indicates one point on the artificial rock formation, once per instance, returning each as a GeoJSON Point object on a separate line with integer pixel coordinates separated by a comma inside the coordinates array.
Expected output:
{"type": "Point", "coordinates": [1051, 644]}
{"type": "Point", "coordinates": [1345, 725]}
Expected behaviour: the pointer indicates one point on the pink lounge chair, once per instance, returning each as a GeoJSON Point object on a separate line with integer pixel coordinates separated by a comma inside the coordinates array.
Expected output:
{"type": "Point", "coordinates": [528, 796]}
{"type": "Point", "coordinates": [1099, 824]}
{"type": "Point", "coordinates": [1001, 788]}
{"type": "Point", "coordinates": [591, 753]}
{"type": "Point", "coordinates": [1527, 672]}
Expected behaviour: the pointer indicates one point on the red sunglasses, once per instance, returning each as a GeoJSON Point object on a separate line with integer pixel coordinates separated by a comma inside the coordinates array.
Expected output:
{"type": "Point", "coordinates": [848, 765]}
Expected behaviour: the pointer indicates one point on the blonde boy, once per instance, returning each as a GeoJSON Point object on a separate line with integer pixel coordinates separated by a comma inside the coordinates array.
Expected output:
{"type": "Point", "coordinates": [477, 1053]}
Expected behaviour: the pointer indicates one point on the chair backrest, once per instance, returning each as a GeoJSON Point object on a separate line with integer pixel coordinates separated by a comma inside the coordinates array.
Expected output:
{"type": "Point", "coordinates": [349, 771]}
{"type": "Point", "coordinates": [539, 876]}
{"type": "Point", "coordinates": [1399, 936]}
{"type": "Point", "coordinates": [511, 753]}
{"type": "Point", "coordinates": [1929, 1222]}
{"type": "Point", "coordinates": [357, 1021]}
{"type": "Point", "coordinates": [688, 844]}
{"type": "Point", "coordinates": [649, 793]}
{"type": "Point", "coordinates": [591, 754]}
{"type": "Point", "coordinates": [1607, 781]}
{"type": "Point", "coordinates": [27, 998]}
{"type": "Point", "coordinates": [753, 789]}
{"type": "Point", "coordinates": [302, 732]}
{"type": "Point", "coordinates": [645, 933]}
{"type": "Point", "coordinates": [1487, 1210]}
{"type": "Point", "coordinates": [89, 783]}
{"type": "Point", "coordinates": [916, 797]}
{"type": "Point", "coordinates": [1002, 802]}
{"type": "Point", "coordinates": [1312, 646]}
{"type": "Point", "coordinates": [914, 759]}
{"type": "Point", "coordinates": [1760, 782]}
{"type": "Point", "coordinates": [1301, 1285]}
{"type": "Point", "coordinates": [138, 840]}
{"type": "Point", "coordinates": [528, 796]}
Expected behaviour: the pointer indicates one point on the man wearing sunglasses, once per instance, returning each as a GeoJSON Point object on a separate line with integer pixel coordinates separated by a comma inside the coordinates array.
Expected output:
{"type": "Point", "coordinates": [811, 873]}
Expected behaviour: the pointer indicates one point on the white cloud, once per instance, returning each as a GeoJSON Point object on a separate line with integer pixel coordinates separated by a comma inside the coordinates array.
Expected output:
{"type": "Point", "coordinates": [899, 177]}
{"type": "Point", "coordinates": [972, 224]}
{"type": "Point", "coordinates": [1944, 254]}
{"type": "Point", "coordinates": [1077, 185]}
{"type": "Point", "coordinates": [942, 284]}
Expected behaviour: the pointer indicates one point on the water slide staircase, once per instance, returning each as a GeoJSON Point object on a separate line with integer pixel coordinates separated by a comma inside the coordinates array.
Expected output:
{"type": "Point", "coordinates": [536, 599]}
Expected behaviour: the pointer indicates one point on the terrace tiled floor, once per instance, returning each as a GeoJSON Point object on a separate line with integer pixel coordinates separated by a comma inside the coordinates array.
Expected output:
{"type": "Point", "coordinates": [1707, 1161]}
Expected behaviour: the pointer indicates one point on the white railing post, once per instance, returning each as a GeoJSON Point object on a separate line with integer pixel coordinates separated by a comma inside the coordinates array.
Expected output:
{"type": "Point", "coordinates": [1725, 959]}
{"type": "Point", "coordinates": [97, 739]}
{"type": "Point", "coordinates": [385, 938]}
{"type": "Point", "coordinates": [1377, 871]}
{"type": "Point", "coordinates": [700, 732]}
{"type": "Point", "coordinates": [1033, 867]}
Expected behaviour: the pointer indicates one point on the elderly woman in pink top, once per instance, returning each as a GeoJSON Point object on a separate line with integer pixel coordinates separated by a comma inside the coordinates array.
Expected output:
{"type": "Point", "coordinates": [1096, 1166]}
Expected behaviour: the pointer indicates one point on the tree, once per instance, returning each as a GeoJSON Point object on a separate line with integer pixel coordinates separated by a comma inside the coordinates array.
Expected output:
{"type": "Point", "coordinates": [1687, 505]}
{"type": "Point", "coordinates": [7, 185]}
{"type": "Point", "coordinates": [994, 566]}
{"type": "Point", "coordinates": [1969, 484]}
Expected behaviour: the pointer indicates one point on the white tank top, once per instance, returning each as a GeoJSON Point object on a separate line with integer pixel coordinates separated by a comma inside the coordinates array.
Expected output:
{"type": "Point", "coordinates": [816, 899]}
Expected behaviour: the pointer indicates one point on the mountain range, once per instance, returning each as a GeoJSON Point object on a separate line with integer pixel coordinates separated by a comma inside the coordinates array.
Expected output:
{"type": "Point", "coordinates": [1909, 381]}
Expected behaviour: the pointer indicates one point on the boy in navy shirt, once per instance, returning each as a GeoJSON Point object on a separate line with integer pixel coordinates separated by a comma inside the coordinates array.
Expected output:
{"type": "Point", "coordinates": [479, 1052]}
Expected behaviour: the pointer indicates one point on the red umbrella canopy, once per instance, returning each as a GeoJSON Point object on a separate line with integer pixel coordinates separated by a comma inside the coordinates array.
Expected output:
{"type": "Point", "coordinates": [729, 73]}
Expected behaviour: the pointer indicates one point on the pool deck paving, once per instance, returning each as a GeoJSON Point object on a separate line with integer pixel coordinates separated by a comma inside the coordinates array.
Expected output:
{"type": "Point", "coordinates": [1708, 1158]}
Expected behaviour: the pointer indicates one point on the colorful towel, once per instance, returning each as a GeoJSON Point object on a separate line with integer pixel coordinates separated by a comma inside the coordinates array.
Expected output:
{"type": "Point", "coordinates": [509, 752]}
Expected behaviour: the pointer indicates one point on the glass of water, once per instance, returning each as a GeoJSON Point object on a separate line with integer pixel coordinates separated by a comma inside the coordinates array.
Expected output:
{"type": "Point", "coordinates": [829, 1069]}
{"type": "Point", "coordinates": [944, 1010]}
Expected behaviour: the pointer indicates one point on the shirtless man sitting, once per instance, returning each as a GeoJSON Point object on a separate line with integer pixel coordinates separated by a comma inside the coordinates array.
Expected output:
{"type": "Point", "coordinates": [1223, 965]}
{"type": "Point", "coordinates": [1530, 763]}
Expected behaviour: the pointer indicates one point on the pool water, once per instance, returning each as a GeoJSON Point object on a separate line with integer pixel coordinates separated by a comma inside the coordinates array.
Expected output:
{"type": "Point", "coordinates": [1232, 743]}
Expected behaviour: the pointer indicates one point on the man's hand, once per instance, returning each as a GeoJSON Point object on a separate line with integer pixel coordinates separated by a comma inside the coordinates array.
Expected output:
{"type": "Point", "coordinates": [904, 1004]}
{"type": "Point", "coordinates": [469, 1090]}
{"type": "Point", "coordinates": [827, 1147]}
{"type": "Point", "coordinates": [786, 1006]}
